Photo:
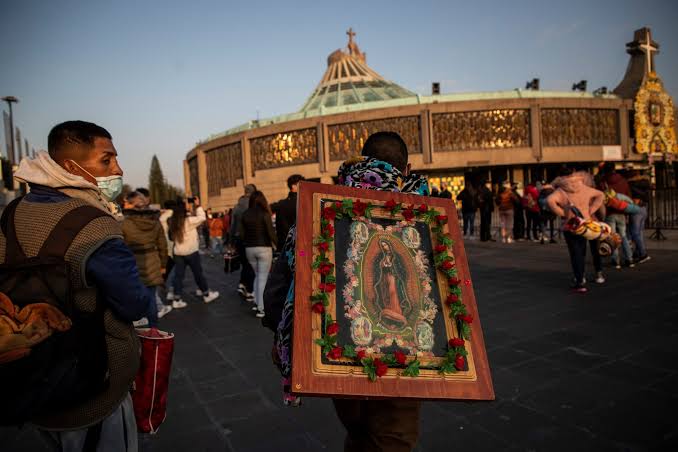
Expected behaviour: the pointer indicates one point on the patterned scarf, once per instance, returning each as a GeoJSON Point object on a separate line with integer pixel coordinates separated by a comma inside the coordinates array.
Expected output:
{"type": "Point", "coordinates": [372, 174]}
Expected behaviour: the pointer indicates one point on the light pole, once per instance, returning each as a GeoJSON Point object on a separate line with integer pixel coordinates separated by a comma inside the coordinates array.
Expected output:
{"type": "Point", "coordinates": [11, 100]}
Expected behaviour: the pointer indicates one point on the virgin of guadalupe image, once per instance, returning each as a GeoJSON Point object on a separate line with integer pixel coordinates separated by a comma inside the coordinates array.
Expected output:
{"type": "Point", "coordinates": [392, 301]}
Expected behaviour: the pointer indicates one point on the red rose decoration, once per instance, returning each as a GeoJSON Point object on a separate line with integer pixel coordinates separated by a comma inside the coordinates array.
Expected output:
{"type": "Point", "coordinates": [333, 329]}
{"type": "Point", "coordinates": [360, 355]}
{"type": "Point", "coordinates": [325, 269]}
{"type": "Point", "coordinates": [359, 208]}
{"type": "Point", "coordinates": [453, 281]}
{"type": "Point", "coordinates": [456, 342]}
{"type": "Point", "coordinates": [467, 318]}
{"type": "Point", "coordinates": [335, 353]}
{"type": "Point", "coordinates": [390, 205]}
{"type": "Point", "coordinates": [328, 230]}
{"type": "Point", "coordinates": [447, 264]}
{"type": "Point", "coordinates": [318, 308]}
{"type": "Point", "coordinates": [380, 367]}
{"type": "Point", "coordinates": [323, 246]}
{"type": "Point", "coordinates": [422, 209]}
{"type": "Point", "coordinates": [440, 248]}
{"type": "Point", "coordinates": [327, 287]}
{"type": "Point", "coordinates": [452, 298]}
{"type": "Point", "coordinates": [459, 362]}
{"type": "Point", "coordinates": [400, 357]}
{"type": "Point", "coordinates": [441, 219]}
{"type": "Point", "coordinates": [408, 214]}
{"type": "Point", "coordinates": [329, 214]}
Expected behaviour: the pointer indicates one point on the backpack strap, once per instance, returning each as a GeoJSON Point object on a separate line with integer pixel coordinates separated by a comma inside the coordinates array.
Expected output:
{"type": "Point", "coordinates": [65, 231]}
{"type": "Point", "coordinates": [13, 250]}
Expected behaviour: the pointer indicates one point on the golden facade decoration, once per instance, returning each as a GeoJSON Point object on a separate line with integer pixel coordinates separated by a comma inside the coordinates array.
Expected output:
{"type": "Point", "coordinates": [283, 149]}
{"type": "Point", "coordinates": [224, 167]}
{"type": "Point", "coordinates": [193, 175]}
{"type": "Point", "coordinates": [487, 129]}
{"type": "Point", "coordinates": [347, 140]}
{"type": "Point", "coordinates": [579, 127]}
{"type": "Point", "coordinates": [654, 118]}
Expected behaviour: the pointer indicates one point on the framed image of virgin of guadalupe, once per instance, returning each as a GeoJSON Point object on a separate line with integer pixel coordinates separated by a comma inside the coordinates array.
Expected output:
{"type": "Point", "coordinates": [384, 303]}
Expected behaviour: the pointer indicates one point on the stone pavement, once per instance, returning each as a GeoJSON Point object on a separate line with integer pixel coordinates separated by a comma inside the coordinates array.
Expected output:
{"type": "Point", "coordinates": [571, 372]}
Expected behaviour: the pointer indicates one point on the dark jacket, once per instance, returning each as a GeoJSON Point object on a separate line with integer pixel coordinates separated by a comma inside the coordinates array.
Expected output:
{"type": "Point", "coordinates": [486, 201]}
{"type": "Point", "coordinates": [617, 183]}
{"type": "Point", "coordinates": [285, 215]}
{"type": "Point", "coordinates": [238, 211]}
{"type": "Point", "coordinates": [469, 199]}
{"type": "Point", "coordinates": [256, 228]}
{"type": "Point", "coordinates": [640, 189]}
{"type": "Point", "coordinates": [145, 237]}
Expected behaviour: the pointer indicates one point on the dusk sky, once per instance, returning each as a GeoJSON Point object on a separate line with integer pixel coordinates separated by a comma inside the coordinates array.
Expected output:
{"type": "Point", "coordinates": [161, 76]}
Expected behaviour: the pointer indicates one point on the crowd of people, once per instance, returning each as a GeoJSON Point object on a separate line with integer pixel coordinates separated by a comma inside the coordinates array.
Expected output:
{"type": "Point", "coordinates": [130, 264]}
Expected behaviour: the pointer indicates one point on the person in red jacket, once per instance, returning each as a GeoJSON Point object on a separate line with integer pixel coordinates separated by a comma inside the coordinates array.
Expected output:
{"type": "Point", "coordinates": [611, 179]}
{"type": "Point", "coordinates": [531, 206]}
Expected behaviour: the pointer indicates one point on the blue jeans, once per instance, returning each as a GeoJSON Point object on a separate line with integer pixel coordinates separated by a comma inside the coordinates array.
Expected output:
{"type": "Point", "coordinates": [617, 222]}
{"type": "Point", "coordinates": [260, 258]}
{"type": "Point", "coordinates": [636, 226]}
{"type": "Point", "coordinates": [217, 245]}
{"type": "Point", "coordinates": [192, 261]}
{"type": "Point", "coordinates": [152, 312]}
{"type": "Point", "coordinates": [469, 220]}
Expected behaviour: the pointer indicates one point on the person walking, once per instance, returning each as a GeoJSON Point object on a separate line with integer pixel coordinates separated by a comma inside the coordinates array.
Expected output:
{"type": "Point", "coordinates": [548, 218]}
{"type": "Point", "coordinates": [611, 180]}
{"type": "Point", "coordinates": [518, 215]}
{"type": "Point", "coordinates": [183, 231]}
{"type": "Point", "coordinates": [531, 205]}
{"type": "Point", "coordinates": [143, 234]}
{"type": "Point", "coordinates": [246, 284]}
{"type": "Point", "coordinates": [286, 210]}
{"type": "Point", "coordinates": [81, 171]}
{"type": "Point", "coordinates": [371, 425]}
{"type": "Point", "coordinates": [575, 191]}
{"type": "Point", "coordinates": [259, 238]}
{"type": "Point", "coordinates": [216, 227]}
{"type": "Point", "coordinates": [469, 204]}
{"type": "Point", "coordinates": [486, 205]}
{"type": "Point", "coordinates": [505, 201]}
{"type": "Point", "coordinates": [640, 193]}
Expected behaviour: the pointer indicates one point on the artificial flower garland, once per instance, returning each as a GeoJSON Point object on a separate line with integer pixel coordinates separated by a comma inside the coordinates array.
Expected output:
{"type": "Point", "coordinates": [455, 357]}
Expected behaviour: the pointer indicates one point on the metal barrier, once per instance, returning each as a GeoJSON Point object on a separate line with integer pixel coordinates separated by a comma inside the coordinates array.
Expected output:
{"type": "Point", "coordinates": [663, 209]}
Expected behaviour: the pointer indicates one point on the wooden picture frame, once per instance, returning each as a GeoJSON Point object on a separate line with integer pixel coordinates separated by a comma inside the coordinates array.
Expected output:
{"type": "Point", "coordinates": [375, 315]}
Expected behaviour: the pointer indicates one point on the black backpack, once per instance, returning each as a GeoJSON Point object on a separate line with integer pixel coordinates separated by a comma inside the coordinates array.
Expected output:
{"type": "Point", "coordinates": [67, 367]}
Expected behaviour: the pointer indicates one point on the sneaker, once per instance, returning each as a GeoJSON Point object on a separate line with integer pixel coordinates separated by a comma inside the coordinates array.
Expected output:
{"type": "Point", "coordinates": [629, 264]}
{"type": "Point", "coordinates": [210, 296]}
{"type": "Point", "coordinates": [255, 308]}
{"type": "Point", "coordinates": [617, 266]}
{"type": "Point", "coordinates": [260, 314]}
{"type": "Point", "coordinates": [509, 240]}
{"type": "Point", "coordinates": [249, 297]}
{"type": "Point", "coordinates": [600, 279]}
{"type": "Point", "coordinates": [170, 295]}
{"type": "Point", "coordinates": [198, 293]}
{"type": "Point", "coordinates": [642, 260]}
{"type": "Point", "coordinates": [580, 288]}
{"type": "Point", "coordinates": [574, 281]}
{"type": "Point", "coordinates": [164, 310]}
{"type": "Point", "coordinates": [242, 290]}
{"type": "Point", "coordinates": [178, 303]}
{"type": "Point", "coordinates": [140, 323]}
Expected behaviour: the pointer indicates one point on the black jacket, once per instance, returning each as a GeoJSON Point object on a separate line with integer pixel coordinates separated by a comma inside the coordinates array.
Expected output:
{"type": "Point", "coordinates": [640, 189]}
{"type": "Point", "coordinates": [469, 199]}
{"type": "Point", "coordinates": [285, 215]}
{"type": "Point", "coordinates": [486, 200]}
{"type": "Point", "coordinates": [256, 228]}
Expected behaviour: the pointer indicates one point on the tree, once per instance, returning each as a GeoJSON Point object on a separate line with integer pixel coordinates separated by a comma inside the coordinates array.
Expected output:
{"type": "Point", "coordinates": [157, 186]}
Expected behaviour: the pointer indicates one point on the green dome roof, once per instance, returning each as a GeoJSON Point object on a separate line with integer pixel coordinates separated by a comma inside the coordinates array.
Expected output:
{"type": "Point", "coordinates": [349, 80]}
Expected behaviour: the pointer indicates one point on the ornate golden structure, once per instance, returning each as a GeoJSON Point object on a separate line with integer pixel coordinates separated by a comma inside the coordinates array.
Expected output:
{"type": "Point", "coordinates": [579, 127]}
{"type": "Point", "coordinates": [283, 149]}
{"type": "Point", "coordinates": [487, 129]}
{"type": "Point", "coordinates": [224, 167]}
{"type": "Point", "coordinates": [654, 118]}
{"type": "Point", "coordinates": [346, 140]}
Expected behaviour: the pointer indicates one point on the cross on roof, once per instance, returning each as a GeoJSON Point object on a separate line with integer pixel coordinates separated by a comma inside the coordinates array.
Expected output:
{"type": "Point", "coordinates": [350, 34]}
{"type": "Point", "coordinates": [647, 48]}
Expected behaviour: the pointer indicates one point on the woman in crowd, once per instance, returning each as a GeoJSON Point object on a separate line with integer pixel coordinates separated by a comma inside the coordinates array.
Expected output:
{"type": "Point", "coordinates": [256, 230]}
{"type": "Point", "coordinates": [183, 230]}
{"type": "Point", "coordinates": [505, 202]}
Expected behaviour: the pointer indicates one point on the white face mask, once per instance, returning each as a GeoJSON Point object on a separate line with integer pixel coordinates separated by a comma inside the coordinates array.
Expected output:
{"type": "Point", "coordinates": [109, 186]}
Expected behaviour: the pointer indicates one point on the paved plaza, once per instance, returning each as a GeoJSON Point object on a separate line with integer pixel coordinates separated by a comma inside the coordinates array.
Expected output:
{"type": "Point", "coordinates": [571, 372]}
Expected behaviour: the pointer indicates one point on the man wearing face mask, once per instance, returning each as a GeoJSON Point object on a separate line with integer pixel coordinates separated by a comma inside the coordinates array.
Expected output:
{"type": "Point", "coordinates": [81, 169]}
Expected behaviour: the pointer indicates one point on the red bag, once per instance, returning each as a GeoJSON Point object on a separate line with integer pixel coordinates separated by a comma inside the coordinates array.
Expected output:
{"type": "Point", "coordinates": [152, 381]}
